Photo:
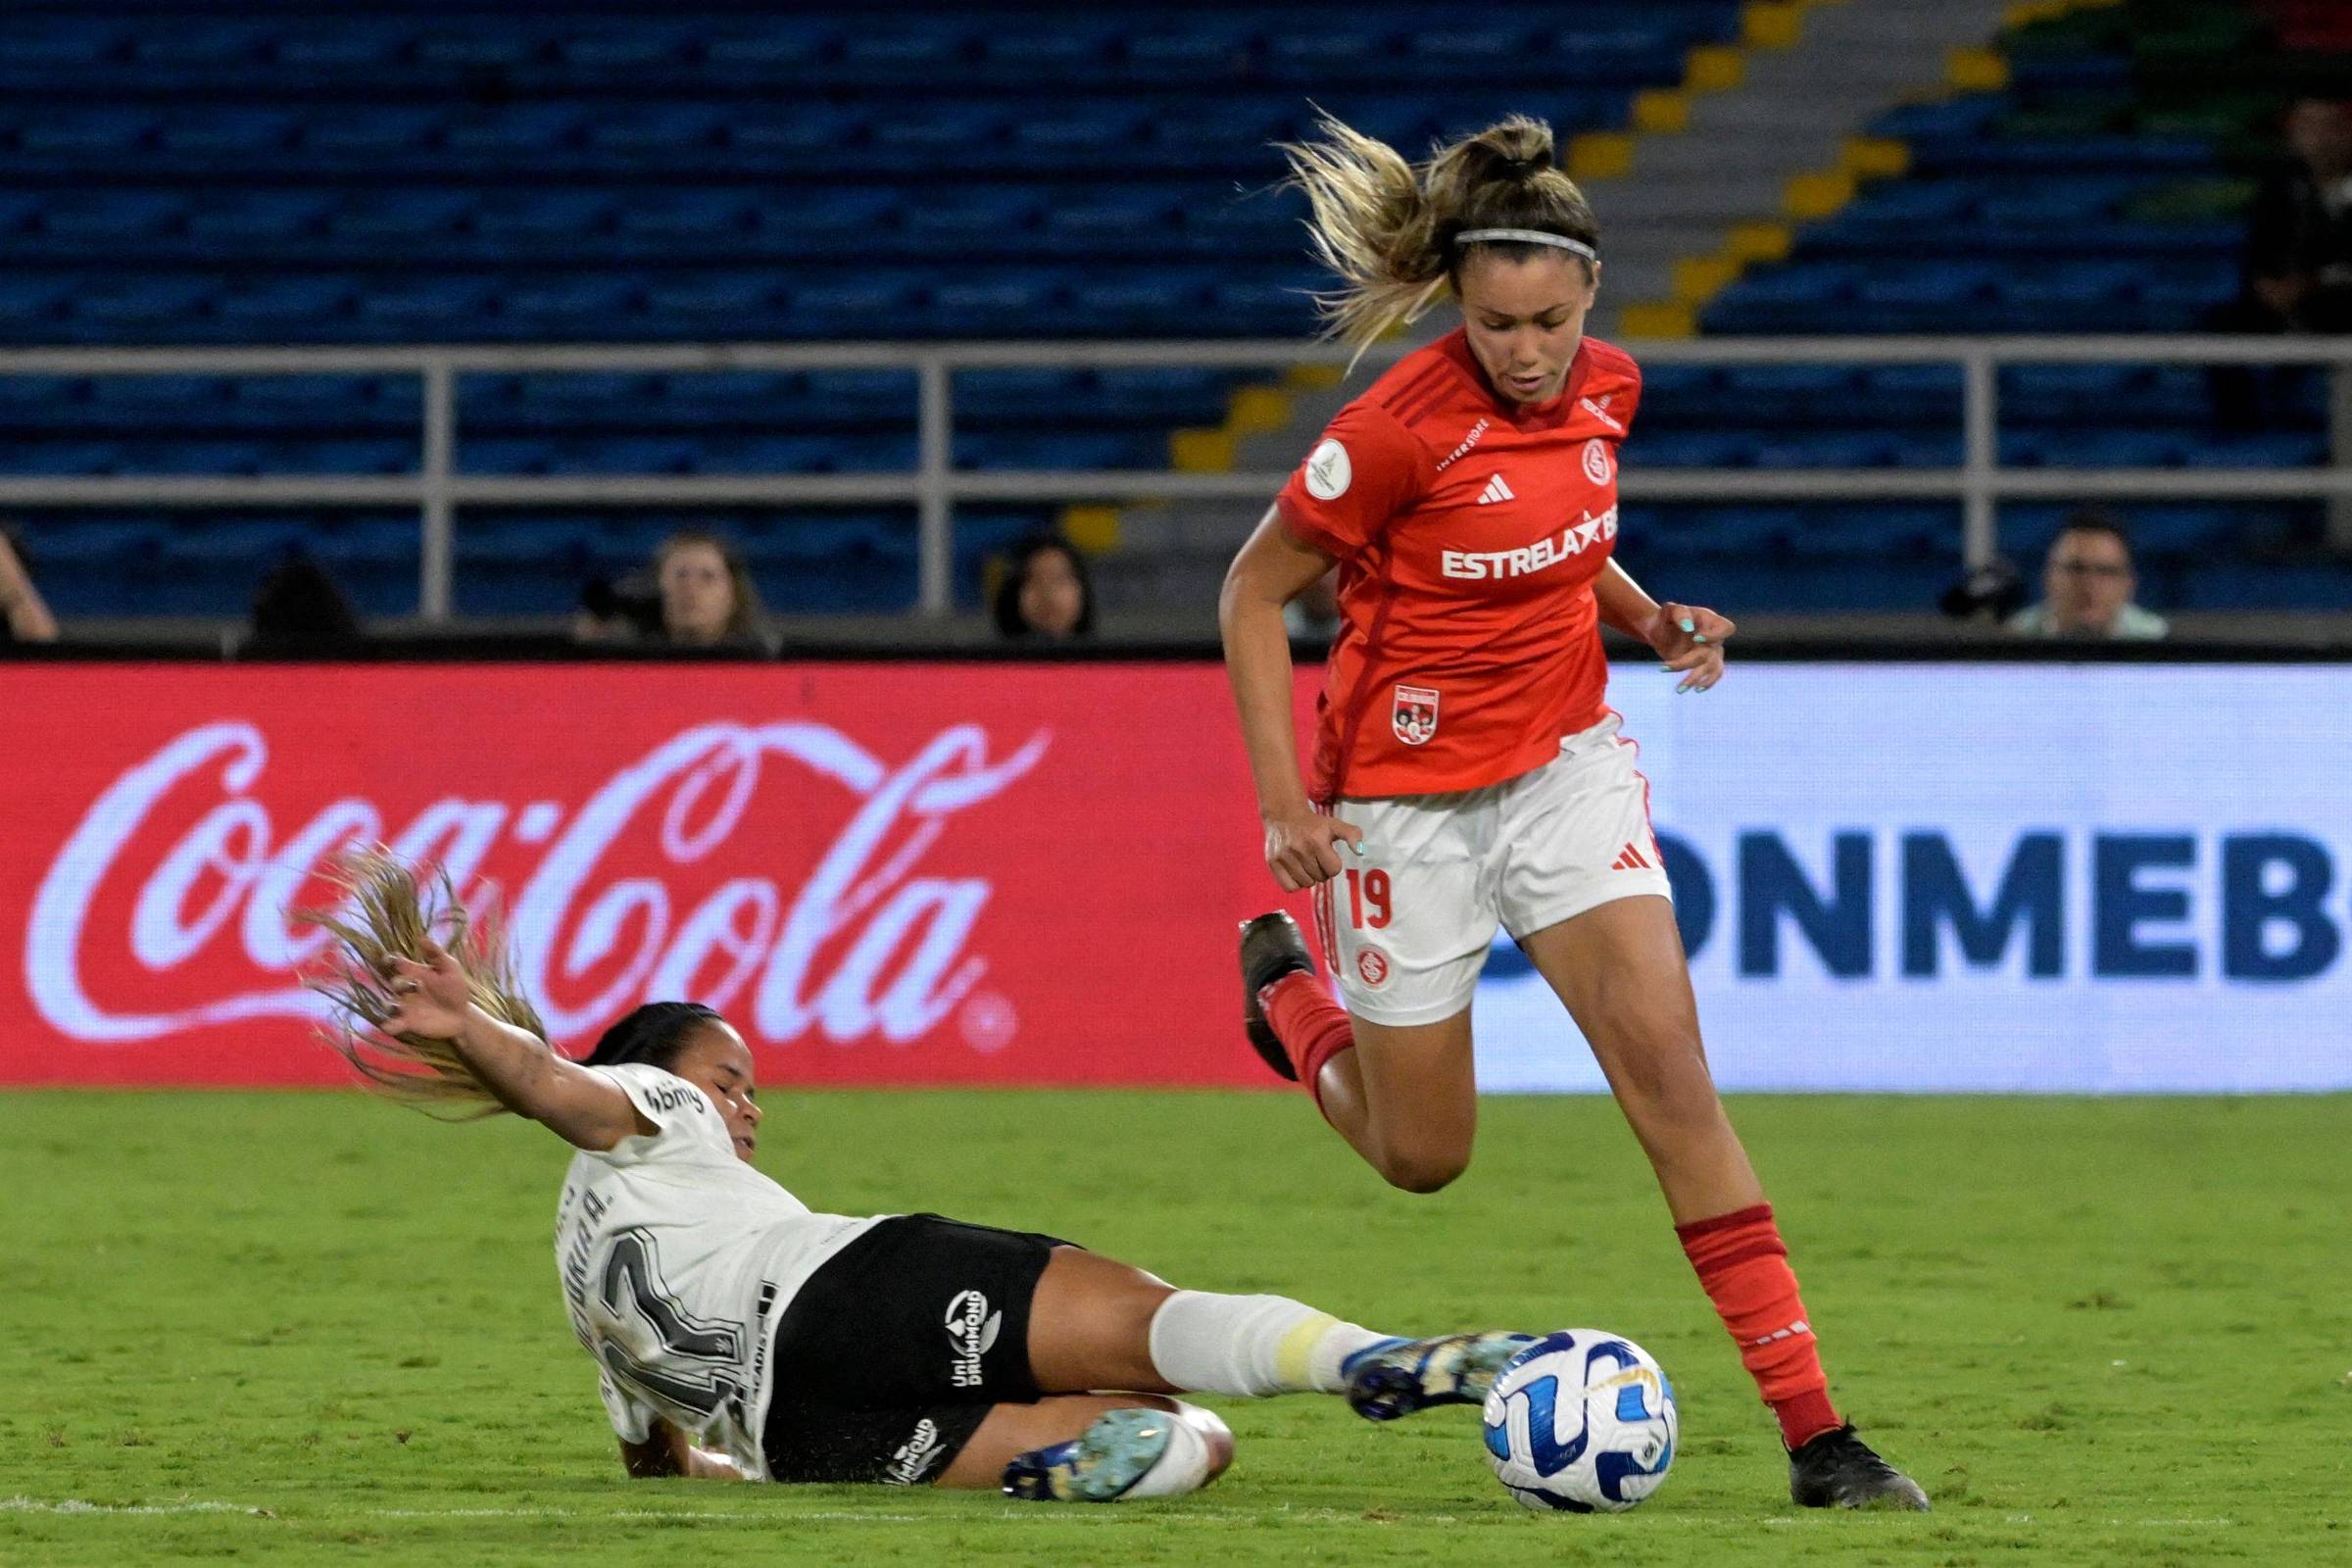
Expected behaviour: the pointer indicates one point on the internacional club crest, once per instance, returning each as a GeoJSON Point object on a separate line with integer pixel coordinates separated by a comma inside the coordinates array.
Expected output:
{"type": "Point", "coordinates": [1415, 715]}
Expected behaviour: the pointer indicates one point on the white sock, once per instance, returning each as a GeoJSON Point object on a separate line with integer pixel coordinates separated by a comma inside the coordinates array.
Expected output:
{"type": "Point", "coordinates": [1189, 1464]}
{"type": "Point", "coordinates": [1251, 1345]}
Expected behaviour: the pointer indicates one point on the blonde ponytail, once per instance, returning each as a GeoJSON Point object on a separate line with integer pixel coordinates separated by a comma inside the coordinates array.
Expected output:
{"type": "Point", "coordinates": [1388, 229]}
{"type": "Point", "coordinates": [385, 914]}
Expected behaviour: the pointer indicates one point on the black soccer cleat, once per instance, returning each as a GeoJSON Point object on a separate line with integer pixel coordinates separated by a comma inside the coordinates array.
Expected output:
{"type": "Point", "coordinates": [1271, 948]}
{"type": "Point", "coordinates": [1839, 1470]}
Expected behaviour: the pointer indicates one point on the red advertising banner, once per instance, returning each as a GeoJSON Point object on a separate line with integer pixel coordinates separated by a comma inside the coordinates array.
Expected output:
{"type": "Point", "coordinates": [881, 873]}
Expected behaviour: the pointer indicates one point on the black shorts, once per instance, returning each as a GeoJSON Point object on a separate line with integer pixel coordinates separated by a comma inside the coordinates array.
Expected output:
{"type": "Point", "coordinates": [889, 1358]}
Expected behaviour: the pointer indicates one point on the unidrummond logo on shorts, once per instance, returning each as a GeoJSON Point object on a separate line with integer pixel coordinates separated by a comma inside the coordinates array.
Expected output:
{"type": "Point", "coordinates": [915, 1457]}
{"type": "Point", "coordinates": [1571, 541]}
{"type": "Point", "coordinates": [973, 1328]}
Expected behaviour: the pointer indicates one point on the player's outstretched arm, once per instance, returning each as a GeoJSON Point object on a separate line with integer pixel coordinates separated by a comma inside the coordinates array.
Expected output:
{"type": "Point", "coordinates": [435, 1001]}
{"type": "Point", "coordinates": [666, 1451]}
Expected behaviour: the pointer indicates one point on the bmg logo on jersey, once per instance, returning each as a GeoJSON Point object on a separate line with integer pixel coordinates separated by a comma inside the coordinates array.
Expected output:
{"type": "Point", "coordinates": [974, 1329]}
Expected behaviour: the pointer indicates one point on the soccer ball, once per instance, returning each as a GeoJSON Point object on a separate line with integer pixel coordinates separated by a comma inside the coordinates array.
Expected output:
{"type": "Point", "coordinates": [1581, 1421]}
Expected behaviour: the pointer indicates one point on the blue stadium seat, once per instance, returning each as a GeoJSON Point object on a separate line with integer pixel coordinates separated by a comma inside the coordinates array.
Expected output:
{"type": "Point", "coordinates": [203, 43]}
{"type": "Point", "coordinates": [469, 46]}
{"type": "Point", "coordinates": [514, 132]}
{"type": "Point", "coordinates": [110, 218]}
{"type": "Point", "coordinates": [552, 220]}
{"type": "Point", "coordinates": [143, 306]}
{"type": "Point", "coordinates": [393, 217]}
{"type": "Point", "coordinates": [285, 308]}
{"type": "Point", "coordinates": [956, 223]}
{"type": "Point", "coordinates": [776, 45]}
{"type": "Point", "coordinates": [341, 43]}
{"type": "Point", "coordinates": [685, 221]}
{"type": "Point", "coordinates": [239, 223]}
{"type": "Point", "coordinates": [94, 135]}
{"type": "Point", "coordinates": [1205, 48]}
{"type": "Point", "coordinates": [714, 304]}
{"type": "Point", "coordinates": [425, 309]}
{"type": "Point", "coordinates": [560, 306]}
{"type": "Point", "coordinates": [675, 129]}
{"type": "Point", "coordinates": [228, 134]}
{"type": "Point", "coordinates": [59, 458]}
{"type": "Point", "coordinates": [788, 132]}
{"type": "Point", "coordinates": [633, 45]}
{"type": "Point", "coordinates": [372, 131]}
{"type": "Point", "coordinates": [38, 45]}
{"type": "Point", "coordinates": [872, 304]}
{"type": "Point", "coordinates": [1140, 221]}
{"type": "Point", "coordinates": [864, 397]}
{"type": "Point", "coordinates": [352, 456]}
{"type": "Point", "coordinates": [998, 304]}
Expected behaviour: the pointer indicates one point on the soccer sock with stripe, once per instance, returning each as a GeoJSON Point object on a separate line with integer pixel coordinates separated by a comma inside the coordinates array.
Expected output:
{"type": "Point", "coordinates": [1312, 1026]}
{"type": "Point", "coordinates": [1744, 1266]}
{"type": "Point", "coordinates": [1251, 1345]}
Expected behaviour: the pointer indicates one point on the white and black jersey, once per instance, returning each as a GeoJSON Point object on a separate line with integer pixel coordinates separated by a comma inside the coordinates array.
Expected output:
{"type": "Point", "coordinates": [676, 1259]}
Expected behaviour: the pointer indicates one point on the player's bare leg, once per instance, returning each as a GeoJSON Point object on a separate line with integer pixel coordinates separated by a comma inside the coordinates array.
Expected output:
{"type": "Point", "coordinates": [1406, 1098]}
{"type": "Point", "coordinates": [1619, 969]}
{"type": "Point", "coordinates": [1098, 1323]}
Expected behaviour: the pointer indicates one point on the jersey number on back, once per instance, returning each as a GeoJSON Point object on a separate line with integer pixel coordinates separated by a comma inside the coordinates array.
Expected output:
{"type": "Point", "coordinates": [632, 1284]}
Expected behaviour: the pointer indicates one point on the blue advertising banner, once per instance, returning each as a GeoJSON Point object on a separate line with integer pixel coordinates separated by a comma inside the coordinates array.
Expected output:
{"type": "Point", "coordinates": [1991, 877]}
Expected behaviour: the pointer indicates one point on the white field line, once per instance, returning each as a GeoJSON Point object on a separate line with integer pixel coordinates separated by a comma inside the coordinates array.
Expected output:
{"type": "Point", "coordinates": [75, 1507]}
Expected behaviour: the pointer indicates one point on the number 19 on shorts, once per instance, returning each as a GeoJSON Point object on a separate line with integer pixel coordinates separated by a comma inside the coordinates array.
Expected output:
{"type": "Point", "coordinates": [1367, 898]}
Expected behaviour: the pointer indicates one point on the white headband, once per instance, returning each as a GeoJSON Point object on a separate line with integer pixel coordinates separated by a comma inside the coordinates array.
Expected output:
{"type": "Point", "coordinates": [1528, 236]}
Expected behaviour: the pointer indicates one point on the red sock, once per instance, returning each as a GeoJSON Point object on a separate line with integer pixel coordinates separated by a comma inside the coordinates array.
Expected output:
{"type": "Point", "coordinates": [1744, 1266]}
{"type": "Point", "coordinates": [1311, 1027]}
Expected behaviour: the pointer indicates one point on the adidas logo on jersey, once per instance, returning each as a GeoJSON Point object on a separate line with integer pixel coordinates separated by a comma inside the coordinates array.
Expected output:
{"type": "Point", "coordinates": [1494, 490]}
{"type": "Point", "coordinates": [1630, 859]}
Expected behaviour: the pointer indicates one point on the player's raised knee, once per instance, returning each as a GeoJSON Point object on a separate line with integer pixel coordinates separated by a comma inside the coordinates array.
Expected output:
{"type": "Point", "coordinates": [1424, 1170]}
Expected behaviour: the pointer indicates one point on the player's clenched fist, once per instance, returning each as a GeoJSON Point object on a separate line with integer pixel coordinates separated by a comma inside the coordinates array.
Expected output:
{"type": "Point", "coordinates": [1303, 847]}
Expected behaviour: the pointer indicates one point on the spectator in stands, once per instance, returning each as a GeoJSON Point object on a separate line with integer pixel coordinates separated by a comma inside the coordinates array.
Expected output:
{"type": "Point", "coordinates": [2298, 255]}
{"type": "Point", "coordinates": [24, 618]}
{"type": "Point", "coordinates": [300, 611]}
{"type": "Point", "coordinates": [1044, 593]}
{"type": "Point", "coordinates": [2086, 586]}
{"type": "Point", "coordinates": [696, 594]}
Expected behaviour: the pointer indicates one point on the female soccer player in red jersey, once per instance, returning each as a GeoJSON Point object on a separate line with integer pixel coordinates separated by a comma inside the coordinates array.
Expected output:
{"type": "Point", "coordinates": [1467, 768]}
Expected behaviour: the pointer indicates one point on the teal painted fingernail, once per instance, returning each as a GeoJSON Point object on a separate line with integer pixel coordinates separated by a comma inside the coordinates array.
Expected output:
{"type": "Point", "coordinates": [1700, 638]}
{"type": "Point", "coordinates": [1688, 624]}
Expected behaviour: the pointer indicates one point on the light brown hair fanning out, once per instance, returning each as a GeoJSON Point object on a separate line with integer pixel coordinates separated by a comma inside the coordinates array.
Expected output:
{"type": "Point", "coordinates": [386, 916]}
{"type": "Point", "coordinates": [1387, 227]}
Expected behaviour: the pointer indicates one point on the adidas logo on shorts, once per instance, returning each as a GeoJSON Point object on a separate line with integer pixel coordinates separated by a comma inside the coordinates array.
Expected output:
{"type": "Point", "coordinates": [1494, 490]}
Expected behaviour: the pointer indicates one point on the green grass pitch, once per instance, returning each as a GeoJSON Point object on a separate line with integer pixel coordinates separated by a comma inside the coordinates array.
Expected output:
{"type": "Point", "coordinates": [308, 1327]}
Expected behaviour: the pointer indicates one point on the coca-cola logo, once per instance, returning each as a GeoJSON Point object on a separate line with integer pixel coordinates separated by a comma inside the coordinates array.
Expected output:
{"type": "Point", "coordinates": [613, 911]}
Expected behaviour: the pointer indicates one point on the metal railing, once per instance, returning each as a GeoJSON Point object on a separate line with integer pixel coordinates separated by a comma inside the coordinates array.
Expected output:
{"type": "Point", "coordinates": [935, 486]}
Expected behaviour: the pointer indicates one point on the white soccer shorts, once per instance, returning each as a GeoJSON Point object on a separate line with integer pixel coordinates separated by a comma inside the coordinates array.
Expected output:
{"type": "Point", "coordinates": [1407, 924]}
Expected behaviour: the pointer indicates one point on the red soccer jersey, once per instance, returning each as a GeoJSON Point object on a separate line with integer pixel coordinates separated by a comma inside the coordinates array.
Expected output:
{"type": "Point", "coordinates": [1468, 531]}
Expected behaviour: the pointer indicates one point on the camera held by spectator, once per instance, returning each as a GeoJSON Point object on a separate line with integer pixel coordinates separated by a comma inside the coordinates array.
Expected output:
{"type": "Point", "coordinates": [696, 592]}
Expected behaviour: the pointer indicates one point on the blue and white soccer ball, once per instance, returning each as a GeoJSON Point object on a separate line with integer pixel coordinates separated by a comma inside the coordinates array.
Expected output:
{"type": "Point", "coordinates": [1581, 1421]}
